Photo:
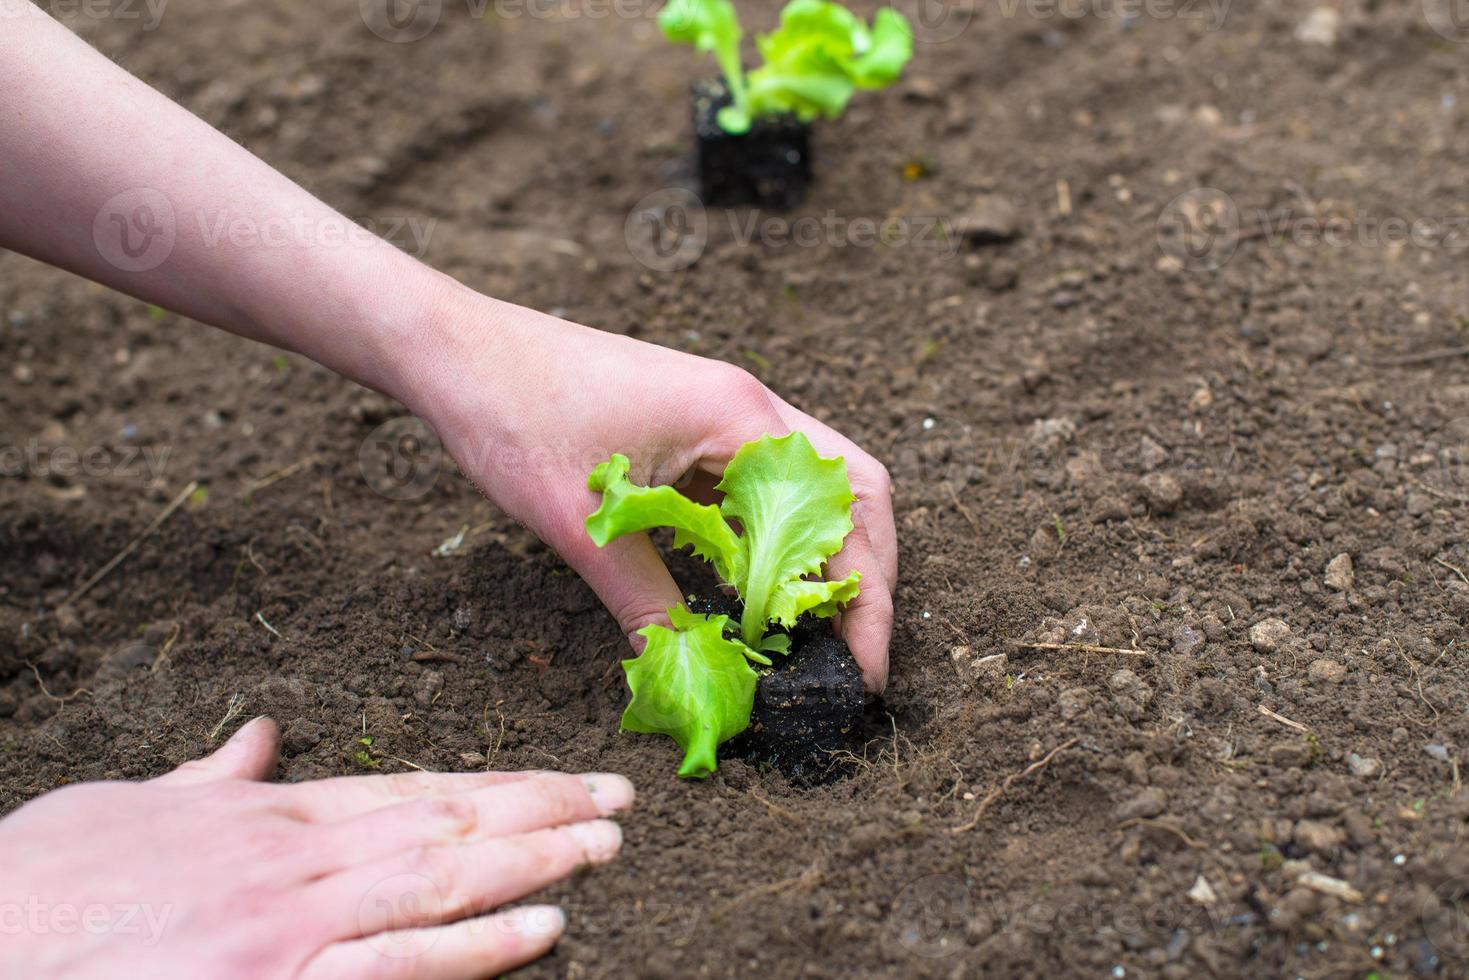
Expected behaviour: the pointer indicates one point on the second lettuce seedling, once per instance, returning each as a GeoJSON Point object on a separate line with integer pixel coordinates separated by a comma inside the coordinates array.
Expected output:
{"type": "Point", "coordinates": [815, 61]}
{"type": "Point", "coordinates": [694, 682]}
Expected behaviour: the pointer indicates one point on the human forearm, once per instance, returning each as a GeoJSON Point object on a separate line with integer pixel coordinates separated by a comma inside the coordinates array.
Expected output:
{"type": "Point", "coordinates": [105, 177]}
{"type": "Point", "coordinates": [109, 179]}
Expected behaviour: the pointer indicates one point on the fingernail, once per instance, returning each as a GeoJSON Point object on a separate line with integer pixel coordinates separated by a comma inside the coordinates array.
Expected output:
{"type": "Point", "coordinates": [609, 791]}
{"type": "Point", "coordinates": [600, 840]}
{"type": "Point", "coordinates": [535, 921]}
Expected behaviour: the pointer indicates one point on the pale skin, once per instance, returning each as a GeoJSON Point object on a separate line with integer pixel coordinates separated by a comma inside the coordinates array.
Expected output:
{"type": "Point", "coordinates": [362, 876]}
{"type": "Point", "coordinates": [525, 402]}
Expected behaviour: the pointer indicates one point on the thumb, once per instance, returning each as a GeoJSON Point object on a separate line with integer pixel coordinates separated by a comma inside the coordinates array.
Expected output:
{"type": "Point", "coordinates": [629, 577]}
{"type": "Point", "coordinates": [249, 754]}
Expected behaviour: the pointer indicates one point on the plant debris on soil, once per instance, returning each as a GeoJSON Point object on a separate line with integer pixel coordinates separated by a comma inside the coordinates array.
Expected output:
{"type": "Point", "coordinates": [1203, 528]}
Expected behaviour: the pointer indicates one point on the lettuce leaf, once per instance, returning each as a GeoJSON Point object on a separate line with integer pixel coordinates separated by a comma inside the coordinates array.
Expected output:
{"type": "Point", "coordinates": [795, 509]}
{"type": "Point", "coordinates": [691, 684]}
{"type": "Point", "coordinates": [627, 508]}
{"type": "Point", "coordinates": [713, 26]}
{"type": "Point", "coordinates": [821, 54]}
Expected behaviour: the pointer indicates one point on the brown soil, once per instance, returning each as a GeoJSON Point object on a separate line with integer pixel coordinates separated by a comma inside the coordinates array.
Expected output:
{"type": "Point", "coordinates": [1122, 452]}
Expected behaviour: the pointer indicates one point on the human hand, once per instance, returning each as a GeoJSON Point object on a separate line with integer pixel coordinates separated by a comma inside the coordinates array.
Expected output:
{"type": "Point", "coordinates": [206, 872]}
{"type": "Point", "coordinates": [528, 404]}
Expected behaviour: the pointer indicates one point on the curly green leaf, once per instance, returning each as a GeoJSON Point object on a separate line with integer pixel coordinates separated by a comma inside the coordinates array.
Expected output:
{"type": "Point", "coordinates": [693, 685]}
{"type": "Point", "coordinates": [627, 509]}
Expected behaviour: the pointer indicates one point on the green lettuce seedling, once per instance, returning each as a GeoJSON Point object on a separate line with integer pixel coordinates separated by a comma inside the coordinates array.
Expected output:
{"type": "Point", "coordinates": [820, 55]}
{"type": "Point", "coordinates": [794, 508]}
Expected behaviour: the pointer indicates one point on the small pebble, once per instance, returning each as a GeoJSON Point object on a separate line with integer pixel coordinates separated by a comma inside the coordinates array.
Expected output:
{"type": "Point", "coordinates": [1339, 573]}
{"type": "Point", "coordinates": [1187, 640]}
{"type": "Point", "coordinates": [1267, 635]}
{"type": "Point", "coordinates": [1325, 671]}
{"type": "Point", "coordinates": [1161, 492]}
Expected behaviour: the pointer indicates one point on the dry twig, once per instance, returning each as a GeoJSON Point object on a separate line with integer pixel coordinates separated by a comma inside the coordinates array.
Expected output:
{"type": "Point", "coordinates": [1079, 647]}
{"type": "Point", "coordinates": [1163, 825]}
{"type": "Point", "coordinates": [1283, 719]}
{"type": "Point", "coordinates": [162, 657]}
{"type": "Point", "coordinates": [1453, 569]}
{"type": "Point", "coordinates": [1424, 357]}
{"type": "Point", "coordinates": [810, 877]}
{"type": "Point", "coordinates": [59, 700]}
{"type": "Point", "coordinates": [776, 810]}
{"type": "Point", "coordinates": [118, 558]}
{"type": "Point", "coordinates": [280, 475]}
{"type": "Point", "coordinates": [231, 712]}
{"type": "Point", "coordinates": [1011, 780]}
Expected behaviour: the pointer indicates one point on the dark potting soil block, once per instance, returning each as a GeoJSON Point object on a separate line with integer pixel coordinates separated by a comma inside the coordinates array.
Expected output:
{"type": "Point", "coordinates": [809, 706]}
{"type": "Point", "coordinates": [808, 710]}
{"type": "Point", "coordinates": [769, 166]}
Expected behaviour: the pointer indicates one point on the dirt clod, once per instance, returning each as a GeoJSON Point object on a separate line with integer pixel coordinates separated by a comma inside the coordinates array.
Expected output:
{"type": "Point", "coordinates": [1339, 573]}
{"type": "Point", "coordinates": [1268, 635]}
{"type": "Point", "coordinates": [1318, 838]}
{"type": "Point", "coordinates": [1145, 805]}
{"type": "Point", "coordinates": [991, 220]}
{"type": "Point", "coordinates": [1162, 492]}
{"type": "Point", "coordinates": [1327, 671]}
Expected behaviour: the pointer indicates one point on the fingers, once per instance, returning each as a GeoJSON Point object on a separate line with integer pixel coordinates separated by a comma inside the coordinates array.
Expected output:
{"type": "Point", "coordinates": [330, 800]}
{"type": "Point", "coordinates": [866, 624]}
{"type": "Point", "coordinates": [250, 753]}
{"type": "Point", "coordinates": [629, 577]}
{"type": "Point", "coordinates": [468, 950]}
{"type": "Point", "coordinates": [547, 800]}
{"type": "Point", "coordinates": [433, 885]}
{"type": "Point", "coordinates": [872, 548]}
